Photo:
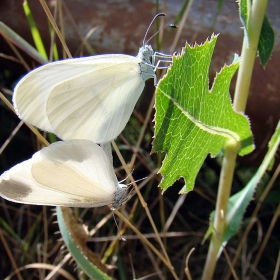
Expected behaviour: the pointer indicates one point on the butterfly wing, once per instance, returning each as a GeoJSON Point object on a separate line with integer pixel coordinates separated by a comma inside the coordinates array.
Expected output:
{"type": "Point", "coordinates": [85, 98]}
{"type": "Point", "coordinates": [18, 185]}
{"type": "Point", "coordinates": [72, 173]}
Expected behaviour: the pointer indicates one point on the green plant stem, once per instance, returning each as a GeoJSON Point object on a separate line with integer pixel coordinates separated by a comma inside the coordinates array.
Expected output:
{"type": "Point", "coordinates": [226, 177]}
{"type": "Point", "coordinates": [248, 56]}
{"type": "Point", "coordinates": [249, 52]}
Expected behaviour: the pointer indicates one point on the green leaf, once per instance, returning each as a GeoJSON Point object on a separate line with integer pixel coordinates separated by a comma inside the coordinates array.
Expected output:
{"type": "Point", "coordinates": [239, 201]}
{"type": "Point", "coordinates": [13, 37]}
{"type": "Point", "coordinates": [73, 236]}
{"type": "Point", "coordinates": [244, 12]}
{"type": "Point", "coordinates": [9, 229]}
{"type": "Point", "coordinates": [192, 121]}
{"type": "Point", "coordinates": [266, 42]}
{"type": "Point", "coordinates": [267, 35]}
{"type": "Point", "coordinates": [34, 30]}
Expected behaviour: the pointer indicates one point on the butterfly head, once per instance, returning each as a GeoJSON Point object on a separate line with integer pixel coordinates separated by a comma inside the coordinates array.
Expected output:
{"type": "Point", "coordinates": [145, 53]}
{"type": "Point", "coordinates": [122, 194]}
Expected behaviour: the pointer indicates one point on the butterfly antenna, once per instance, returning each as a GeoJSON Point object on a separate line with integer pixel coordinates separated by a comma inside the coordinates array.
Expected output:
{"type": "Point", "coordinates": [127, 176]}
{"type": "Point", "coordinates": [121, 237]}
{"type": "Point", "coordinates": [156, 16]}
{"type": "Point", "coordinates": [169, 25]}
{"type": "Point", "coordinates": [136, 181]}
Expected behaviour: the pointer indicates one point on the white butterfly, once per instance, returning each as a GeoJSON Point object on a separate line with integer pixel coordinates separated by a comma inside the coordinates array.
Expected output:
{"type": "Point", "coordinates": [85, 98]}
{"type": "Point", "coordinates": [74, 173]}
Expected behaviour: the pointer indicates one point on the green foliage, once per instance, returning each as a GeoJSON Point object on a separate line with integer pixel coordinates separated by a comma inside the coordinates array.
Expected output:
{"type": "Point", "coordinates": [192, 121]}
{"type": "Point", "coordinates": [21, 43]}
{"type": "Point", "coordinates": [266, 42]}
{"type": "Point", "coordinates": [244, 10]}
{"type": "Point", "coordinates": [239, 202]}
{"type": "Point", "coordinates": [267, 36]}
{"type": "Point", "coordinates": [84, 263]}
{"type": "Point", "coordinates": [34, 30]}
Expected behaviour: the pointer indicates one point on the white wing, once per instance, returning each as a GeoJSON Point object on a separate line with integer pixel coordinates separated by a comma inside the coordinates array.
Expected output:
{"type": "Point", "coordinates": [72, 173]}
{"type": "Point", "coordinates": [84, 98]}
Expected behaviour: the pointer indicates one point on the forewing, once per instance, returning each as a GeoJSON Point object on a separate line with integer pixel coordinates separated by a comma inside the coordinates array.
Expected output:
{"type": "Point", "coordinates": [76, 167]}
{"type": "Point", "coordinates": [71, 173]}
{"type": "Point", "coordinates": [18, 185]}
{"type": "Point", "coordinates": [89, 98]}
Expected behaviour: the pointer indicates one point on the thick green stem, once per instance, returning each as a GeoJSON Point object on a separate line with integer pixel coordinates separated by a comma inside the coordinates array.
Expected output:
{"type": "Point", "coordinates": [248, 56]}
{"type": "Point", "coordinates": [226, 177]}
